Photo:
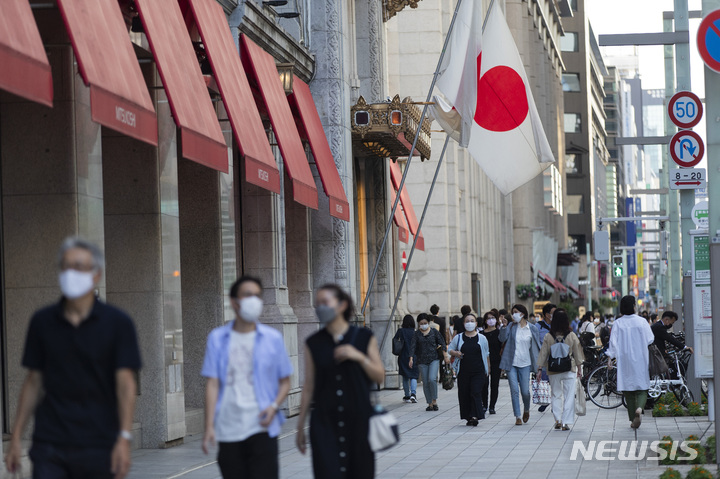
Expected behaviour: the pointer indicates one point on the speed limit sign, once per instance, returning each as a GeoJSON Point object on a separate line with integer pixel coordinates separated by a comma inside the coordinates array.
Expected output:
{"type": "Point", "coordinates": [685, 109]}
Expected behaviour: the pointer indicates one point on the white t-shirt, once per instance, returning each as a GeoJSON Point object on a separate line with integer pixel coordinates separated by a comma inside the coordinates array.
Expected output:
{"type": "Point", "coordinates": [523, 336]}
{"type": "Point", "coordinates": [239, 415]}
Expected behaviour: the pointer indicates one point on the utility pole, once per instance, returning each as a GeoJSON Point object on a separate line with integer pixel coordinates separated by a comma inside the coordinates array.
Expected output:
{"type": "Point", "coordinates": [712, 113]}
{"type": "Point", "coordinates": [687, 199]}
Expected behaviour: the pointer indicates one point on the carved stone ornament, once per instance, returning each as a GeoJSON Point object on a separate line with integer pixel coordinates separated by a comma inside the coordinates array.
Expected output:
{"type": "Point", "coordinates": [392, 7]}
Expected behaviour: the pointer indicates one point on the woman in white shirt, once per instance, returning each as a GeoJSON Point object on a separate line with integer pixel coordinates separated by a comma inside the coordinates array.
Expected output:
{"type": "Point", "coordinates": [522, 346]}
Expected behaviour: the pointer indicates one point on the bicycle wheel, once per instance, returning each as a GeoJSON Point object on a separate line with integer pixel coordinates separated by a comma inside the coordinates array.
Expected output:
{"type": "Point", "coordinates": [593, 385]}
{"type": "Point", "coordinates": [607, 397]}
{"type": "Point", "coordinates": [683, 395]}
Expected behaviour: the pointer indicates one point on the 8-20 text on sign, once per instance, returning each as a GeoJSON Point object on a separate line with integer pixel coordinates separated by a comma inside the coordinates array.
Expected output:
{"type": "Point", "coordinates": [687, 178]}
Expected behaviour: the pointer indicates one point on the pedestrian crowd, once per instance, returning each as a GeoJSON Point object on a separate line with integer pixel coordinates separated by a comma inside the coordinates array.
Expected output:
{"type": "Point", "coordinates": [82, 357]}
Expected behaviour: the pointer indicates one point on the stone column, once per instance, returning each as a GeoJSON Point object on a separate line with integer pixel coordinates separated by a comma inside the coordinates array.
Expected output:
{"type": "Point", "coordinates": [51, 188]}
{"type": "Point", "coordinates": [263, 245]}
{"type": "Point", "coordinates": [333, 249]}
{"type": "Point", "coordinates": [143, 245]}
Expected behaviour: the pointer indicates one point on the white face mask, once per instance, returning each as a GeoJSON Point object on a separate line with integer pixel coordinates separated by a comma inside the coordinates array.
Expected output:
{"type": "Point", "coordinates": [424, 327]}
{"type": "Point", "coordinates": [491, 322]}
{"type": "Point", "coordinates": [470, 327]}
{"type": "Point", "coordinates": [517, 317]}
{"type": "Point", "coordinates": [76, 284]}
{"type": "Point", "coordinates": [250, 309]}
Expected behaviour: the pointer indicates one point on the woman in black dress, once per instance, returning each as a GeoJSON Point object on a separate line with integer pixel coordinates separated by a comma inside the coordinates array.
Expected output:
{"type": "Point", "coordinates": [492, 334]}
{"type": "Point", "coordinates": [470, 349]}
{"type": "Point", "coordinates": [341, 361]}
{"type": "Point", "coordinates": [409, 374]}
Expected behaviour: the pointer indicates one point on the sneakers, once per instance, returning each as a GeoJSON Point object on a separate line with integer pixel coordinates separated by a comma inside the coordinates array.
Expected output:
{"type": "Point", "coordinates": [542, 408]}
{"type": "Point", "coordinates": [492, 410]}
{"type": "Point", "coordinates": [637, 420]}
{"type": "Point", "coordinates": [413, 399]}
{"type": "Point", "coordinates": [406, 399]}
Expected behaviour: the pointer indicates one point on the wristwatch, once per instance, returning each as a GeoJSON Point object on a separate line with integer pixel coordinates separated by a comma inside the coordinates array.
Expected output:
{"type": "Point", "coordinates": [127, 435]}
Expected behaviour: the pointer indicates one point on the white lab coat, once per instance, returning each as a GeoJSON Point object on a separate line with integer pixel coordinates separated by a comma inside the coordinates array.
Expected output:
{"type": "Point", "coordinates": [631, 335]}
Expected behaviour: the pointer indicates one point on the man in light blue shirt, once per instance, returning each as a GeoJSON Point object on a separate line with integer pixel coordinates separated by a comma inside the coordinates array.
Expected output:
{"type": "Point", "coordinates": [248, 376]}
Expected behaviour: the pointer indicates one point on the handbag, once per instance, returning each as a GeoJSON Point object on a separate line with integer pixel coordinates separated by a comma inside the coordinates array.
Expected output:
{"type": "Point", "coordinates": [657, 365]}
{"type": "Point", "coordinates": [383, 432]}
{"type": "Point", "coordinates": [540, 391]}
{"type": "Point", "coordinates": [580, 405]}
{"type": "Point", "coordinates": [446, 377]}
{"type": "Point", "coordinates": [398, 344]}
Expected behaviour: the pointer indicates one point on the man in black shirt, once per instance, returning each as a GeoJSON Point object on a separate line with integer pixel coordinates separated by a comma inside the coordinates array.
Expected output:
{"type": "Point", "coordinates": [660, 330]}
{"type": "Point", "coordinates": [81, 355]}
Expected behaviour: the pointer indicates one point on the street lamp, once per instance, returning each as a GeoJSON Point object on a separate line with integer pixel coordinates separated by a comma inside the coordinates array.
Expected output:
{"type": "Point", "coordinates": [285, 70]}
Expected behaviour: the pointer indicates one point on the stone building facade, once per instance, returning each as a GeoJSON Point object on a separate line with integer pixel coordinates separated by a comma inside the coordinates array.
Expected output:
{"type": "Point", "coordinates": [176, 233]}
{"type": "Point", "coordinates": [479, 243]}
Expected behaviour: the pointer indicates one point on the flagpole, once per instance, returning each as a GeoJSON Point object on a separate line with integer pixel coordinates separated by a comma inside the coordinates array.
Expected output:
{"type": "Point", "coordinates": [415, 240]}
{"type": "Point", "coordinates": [409, 160]}
{"type": "Point", "coordinates": [427, 203]}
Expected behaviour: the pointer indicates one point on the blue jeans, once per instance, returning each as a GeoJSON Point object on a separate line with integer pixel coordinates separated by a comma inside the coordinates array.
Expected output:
{"type": "Point", "coordinates": [410, 386]}
{"type": "Point", "coordinates": [519, 378]}
{"type": "Point", "coordinates": [429, 375]}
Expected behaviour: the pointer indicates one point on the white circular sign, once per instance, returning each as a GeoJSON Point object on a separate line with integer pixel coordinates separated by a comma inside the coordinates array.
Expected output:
{"type": "Point", "coordinates": [700, 215]}
{"type": "Point", "coordinates": [685, 109]}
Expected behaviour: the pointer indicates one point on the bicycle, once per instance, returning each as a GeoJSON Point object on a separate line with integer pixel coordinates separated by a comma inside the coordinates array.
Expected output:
{"type": "Point", "coordinates": [674, 380]}
{"type": "Point", "coordinates": [602, 389]}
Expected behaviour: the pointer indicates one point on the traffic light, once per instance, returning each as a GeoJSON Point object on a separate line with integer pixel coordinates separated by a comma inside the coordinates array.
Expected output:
{"type": "Point", "coordinates": [617, 266]}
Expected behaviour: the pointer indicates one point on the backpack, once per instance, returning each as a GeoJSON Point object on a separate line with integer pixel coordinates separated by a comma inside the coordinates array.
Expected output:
{"type": "Point", "coordinates": [559, 361]}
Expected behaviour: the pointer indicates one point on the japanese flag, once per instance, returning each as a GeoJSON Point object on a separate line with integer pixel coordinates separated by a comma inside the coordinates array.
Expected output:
{"type": "Point", "coordinates": [490, 107]}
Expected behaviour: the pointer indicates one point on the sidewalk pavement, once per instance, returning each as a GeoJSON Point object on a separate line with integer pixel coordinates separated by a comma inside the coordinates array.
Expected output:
{"type": "Point", "coordinates": [439, 444]}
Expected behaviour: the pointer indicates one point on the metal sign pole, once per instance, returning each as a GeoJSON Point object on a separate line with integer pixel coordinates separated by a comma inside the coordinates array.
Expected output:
{"type": "Point", "coordinates": [666, 290]}
{"type": "Point", "coordinates": [712, 113]}
{"type": "Point", "coordinates": [687, 200]}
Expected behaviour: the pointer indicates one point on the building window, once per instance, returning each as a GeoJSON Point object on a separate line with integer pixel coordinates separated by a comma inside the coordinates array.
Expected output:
{"type": "Point", "coordinates": [572, 164]}
{"type": "Point", "coordinates": [571, 82]}
{"type": "Point", "coordinates": [573, 123]}
{"type": "Point", "coordinates": [575, 205]}
{"type": "Point", "coordinates": [573, 5]}
{"type": "Point", "coordinates": [569, 42]}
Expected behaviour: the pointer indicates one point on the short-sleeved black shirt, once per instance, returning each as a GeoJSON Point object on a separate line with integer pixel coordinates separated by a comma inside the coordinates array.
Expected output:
{"type": "Point", "coordinates": [78, 366]}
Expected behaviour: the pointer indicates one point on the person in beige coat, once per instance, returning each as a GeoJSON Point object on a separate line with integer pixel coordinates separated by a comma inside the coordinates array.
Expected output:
{"type": "Point", "coordinates": [562, 384]}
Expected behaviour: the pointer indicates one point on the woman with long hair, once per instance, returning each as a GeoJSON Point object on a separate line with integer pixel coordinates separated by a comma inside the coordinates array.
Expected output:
{"type": "Point", "coordinates": [522, 345]}
{"type": "Point", "coordinates": [341, 362]}
{"type": "Point", "coordinates": [491, 332]}
{"type": "Point", "coordinates": [409, 374]}
{"type": "Point", "coordinates": [562, 383]}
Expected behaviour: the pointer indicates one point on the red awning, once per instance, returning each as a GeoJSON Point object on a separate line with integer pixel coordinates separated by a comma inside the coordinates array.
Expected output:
{"type": "Point", "coordinates": [262, 71]}
{"type": "Point", "coordinates": [575, 290]}
{"type": "Point", "coordinates": [396, 176]}
{"type": "Point", "coordinates": [25, 68]}
{"type": "Point", "coordinates": [260, 166]}
{"type": "Point", "coordinates": [119, 98]}
{"type": "Point", "coordinates": [201, 138]}
{"type": "Point", "coordinates": [304, 108]}
{"type": "Point", "coordinates": [399, 220]}
{"type": "Point", "coordinates": [556, 285]}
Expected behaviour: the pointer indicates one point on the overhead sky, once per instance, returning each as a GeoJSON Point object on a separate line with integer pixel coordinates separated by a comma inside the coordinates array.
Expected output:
{"type": "Point", "coordinates": [645, 16]}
